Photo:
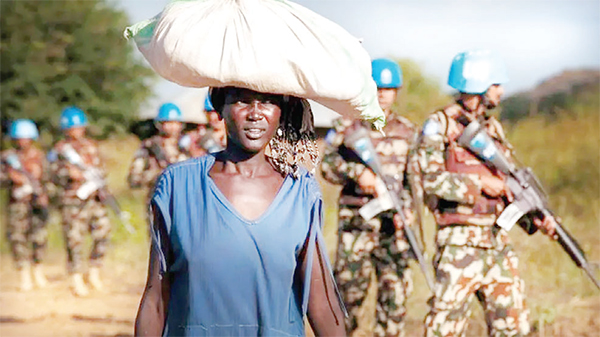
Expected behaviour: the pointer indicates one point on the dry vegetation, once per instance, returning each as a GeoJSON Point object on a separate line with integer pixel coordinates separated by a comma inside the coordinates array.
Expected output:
{"type": "Point", "coordinates": [564, 152]}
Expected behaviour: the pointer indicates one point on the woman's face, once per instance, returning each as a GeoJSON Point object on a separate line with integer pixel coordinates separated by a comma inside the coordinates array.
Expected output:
{"type": "Point", "coordinates": [251, 118]}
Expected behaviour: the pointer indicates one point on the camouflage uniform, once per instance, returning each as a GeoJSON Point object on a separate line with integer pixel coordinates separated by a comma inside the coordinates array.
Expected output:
{"type": "Point", "coordinates": [191, 142]}
{"type": "Point", "coordinates": [365, 246]}
{"type": "Point", "coordinates": [474, 255]}
{"type": "Point", "coordinates": [147, 164]}
{"type": "Point", "coordinates": [27, 207]}
{"type": "Point", "coordinates": [201, 143]}
{"type": "Point", "coordinates": [80, 215]}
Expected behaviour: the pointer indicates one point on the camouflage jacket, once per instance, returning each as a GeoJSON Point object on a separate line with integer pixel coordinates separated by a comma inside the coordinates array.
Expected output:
{"type": "Point", "coordinates": [201, 143]}
{"type": "Point", "coordinates": [63, 167]}
{"type": "Point", "coordinates": [153, 156]}
{"type": "Point", "coordinates": [32, 165]}
{"type": "Point", "coordinates": [191, 142]}
{"type": "Point", "coordinates": [341, 166]}
{"type": "Point", "coordinates": [451, 178]}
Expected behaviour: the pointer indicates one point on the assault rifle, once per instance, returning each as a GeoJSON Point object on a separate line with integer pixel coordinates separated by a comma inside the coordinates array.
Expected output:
{"type": "Point", "coordinates": [387, 195]}
{"type": "Point", "coordinates": [529, 196]}
{"type": "Point", "coordinates": [158, 153]}
{"type": "Point", "coordinates": [32, 187]}
{"type": "Point", "coordinates": [94, 181]}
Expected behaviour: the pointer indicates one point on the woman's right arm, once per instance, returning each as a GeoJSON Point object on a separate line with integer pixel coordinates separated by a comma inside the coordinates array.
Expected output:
{"type": "Point", "coordinates": [152, 313]}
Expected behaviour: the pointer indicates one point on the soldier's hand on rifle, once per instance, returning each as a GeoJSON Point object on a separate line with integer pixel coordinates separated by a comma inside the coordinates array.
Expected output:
{"type": "Point", "coordinates": [547, 225]}
{"type": "Point", "coordinates": [368, 181]}
{"type": "Point", "coordinates": [399, 223]}
{"type": "Point", "coordinates": [75, 173]}
{"type": "Point", "coordinates": [17, 177]}
{"type": "Point", "coordinates": [495, 186]}
{"type": "Point", "coordinates": [42, 200]}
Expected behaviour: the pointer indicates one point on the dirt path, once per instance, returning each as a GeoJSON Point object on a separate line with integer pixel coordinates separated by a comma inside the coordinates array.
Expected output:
{"type": "Point", "coordinates": [56, 312]}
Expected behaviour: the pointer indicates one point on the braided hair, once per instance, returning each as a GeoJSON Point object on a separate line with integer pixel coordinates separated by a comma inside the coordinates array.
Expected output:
{"type": "Point", "coordinates": [294, 144]}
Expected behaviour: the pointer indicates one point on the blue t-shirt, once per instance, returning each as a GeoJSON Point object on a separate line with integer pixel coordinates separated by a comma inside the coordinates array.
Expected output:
{"type": "Point", "coordinates": [231, 276]}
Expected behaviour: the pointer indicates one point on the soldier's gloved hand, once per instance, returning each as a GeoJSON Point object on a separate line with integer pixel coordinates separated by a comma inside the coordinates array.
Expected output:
{"type": "Point", "coordinates": [547, 225]}
{"type": "Point", "coordinates": [367, 181]}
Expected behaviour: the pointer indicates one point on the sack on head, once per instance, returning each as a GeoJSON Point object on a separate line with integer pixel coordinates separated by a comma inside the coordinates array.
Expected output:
{"type": "Point", "coordinates": [272, 46]}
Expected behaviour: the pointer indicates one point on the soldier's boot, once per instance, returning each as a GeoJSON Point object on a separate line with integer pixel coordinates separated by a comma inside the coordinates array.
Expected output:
{"type": "Point", "coordinates": [78, 286]}
{"type": "Point", "coordinates": [39, 277]}
{"type": "Point", "coordinates": [25, 275]}
{"type": "Point", "coordinates": [94, 278]}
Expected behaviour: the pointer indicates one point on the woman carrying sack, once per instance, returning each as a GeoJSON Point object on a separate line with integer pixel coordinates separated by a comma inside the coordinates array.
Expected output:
{"type": "Point", "coordinates": [238, 248]}
{"type": "Point", "coordinates": [237, 243]}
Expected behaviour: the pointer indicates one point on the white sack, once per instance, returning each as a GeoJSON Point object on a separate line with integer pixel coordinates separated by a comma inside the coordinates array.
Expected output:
{"type": "Point", "coordinates": [273, 46]}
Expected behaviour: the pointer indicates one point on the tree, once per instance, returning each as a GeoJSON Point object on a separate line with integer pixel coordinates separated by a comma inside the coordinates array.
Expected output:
{"type": "Point", "coordinates": [61, 53]}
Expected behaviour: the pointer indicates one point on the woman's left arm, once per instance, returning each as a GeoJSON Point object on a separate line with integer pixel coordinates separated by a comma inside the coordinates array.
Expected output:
{"type": "Point", "coordinates": [324, 309]}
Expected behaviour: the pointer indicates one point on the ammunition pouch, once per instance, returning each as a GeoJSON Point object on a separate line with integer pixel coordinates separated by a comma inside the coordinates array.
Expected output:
{"type": "Point", "coordinates": [484, 210]}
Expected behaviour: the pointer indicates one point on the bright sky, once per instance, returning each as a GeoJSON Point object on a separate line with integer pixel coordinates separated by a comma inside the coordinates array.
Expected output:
{"type": "Point", "coordinates": [537, 38]}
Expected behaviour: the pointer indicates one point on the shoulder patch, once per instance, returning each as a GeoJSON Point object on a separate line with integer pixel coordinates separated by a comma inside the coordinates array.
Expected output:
{"type": "Point", "coordinates": [431, 127]}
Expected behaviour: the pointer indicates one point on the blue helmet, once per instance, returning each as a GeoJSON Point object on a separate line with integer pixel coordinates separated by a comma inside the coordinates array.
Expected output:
{"type": "Point", "coordinates": [208, 104]}
{"type": "Point", "coordinates": [168, 112]}
{"type": "Point", "coordinates": [23, 129]}
{"type": "Point", "coordinates": [474, 71]}
{"type": "Point", "coordinates": [386, 73]}
{"type": "Point", "coordinates": [72, 117]}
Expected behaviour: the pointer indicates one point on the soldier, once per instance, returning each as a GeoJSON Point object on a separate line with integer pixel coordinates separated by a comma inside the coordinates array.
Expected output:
{"type": "Point", "coordinates": [23, 171]}
{"type": "Point", "coordinates": [377, 244]}
{"type": "Point", "coordinates": [202, 141]}
{"type": "Point", "coordinates": [216, 137]}
{"type": "Point", "coordinates": [79, 173]}
{"type": "Point", "coordinates": [159, 151]}
{"type": "Point", "coordinates": [474, 256]}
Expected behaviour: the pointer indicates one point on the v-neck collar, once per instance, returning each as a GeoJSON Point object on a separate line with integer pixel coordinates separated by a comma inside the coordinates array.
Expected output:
{"type": "Point", "coordinates": [223, 199]}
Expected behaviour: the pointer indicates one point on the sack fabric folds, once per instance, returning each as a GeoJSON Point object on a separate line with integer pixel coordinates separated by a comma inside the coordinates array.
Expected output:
{"type": "Point", "coordinates": [272, 46]}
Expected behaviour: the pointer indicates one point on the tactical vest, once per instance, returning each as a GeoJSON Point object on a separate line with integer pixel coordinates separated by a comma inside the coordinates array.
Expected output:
{"type": "Point", "coordinates": [392, 150]}
{"type": "Point", "coordinates": [28, 161]}
{"type": "Point", "coordinates": [165, 153]}
{"type": "Point", "coordinates": [485, 209]}
{"type": "Point", "coordinates": [88, 152]}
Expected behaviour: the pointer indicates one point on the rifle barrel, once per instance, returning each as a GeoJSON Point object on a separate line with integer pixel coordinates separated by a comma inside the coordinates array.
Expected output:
{"type": "Point", "coordinates": [572, 248]}
{"type": "Point", "coordinates": [411, 238]}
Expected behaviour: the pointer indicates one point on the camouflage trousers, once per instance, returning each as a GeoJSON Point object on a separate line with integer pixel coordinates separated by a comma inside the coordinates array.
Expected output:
{"type": "Point", "coordinates": [26, 233]}
{"type": "Point", "coordinates": [492, 276]}
{"type": "Point", "coordinates": [364, 247]}
{"type": "Point", "coordinates": [79, 217]}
